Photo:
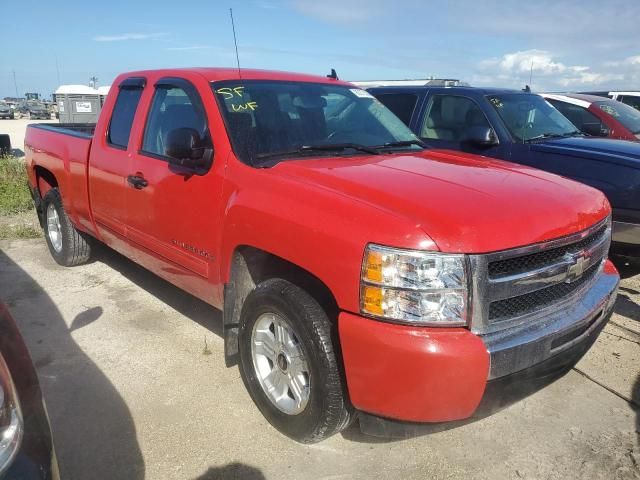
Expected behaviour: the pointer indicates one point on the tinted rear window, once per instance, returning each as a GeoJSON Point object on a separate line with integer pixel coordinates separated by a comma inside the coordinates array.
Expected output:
{"type": "Point", "coordinates": [402, 104]}
{"type": "Point", "coordinates": [122, 117]}
{"type": "Point", "coordinates": [626, 115]}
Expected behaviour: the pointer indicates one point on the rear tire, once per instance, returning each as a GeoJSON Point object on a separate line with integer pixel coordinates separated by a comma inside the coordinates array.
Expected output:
{"type": "Point", "coordinates": [68, 246]}
{"type": "Point", "coordinates": [324, 409]}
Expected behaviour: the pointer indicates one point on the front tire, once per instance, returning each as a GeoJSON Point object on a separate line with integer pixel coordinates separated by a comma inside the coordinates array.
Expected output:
{"type": "Point", "coordinates": [67, 246]}
{"type": "Point", "coordinates": [288, 362]}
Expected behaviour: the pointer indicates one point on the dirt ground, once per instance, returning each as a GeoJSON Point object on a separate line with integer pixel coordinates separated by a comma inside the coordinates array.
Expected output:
{"type": "Point", "coordinates": [134, 379]}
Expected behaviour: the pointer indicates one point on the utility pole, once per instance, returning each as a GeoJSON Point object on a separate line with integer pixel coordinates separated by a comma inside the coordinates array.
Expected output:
{"type": "Point", "coordinates": [58, 71]}
{"type": "Point", "coordinates": [15, 84]}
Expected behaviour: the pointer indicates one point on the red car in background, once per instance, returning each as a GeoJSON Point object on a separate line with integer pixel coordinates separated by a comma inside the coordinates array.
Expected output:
{"type": "Point", "coordinates": [598, 116]}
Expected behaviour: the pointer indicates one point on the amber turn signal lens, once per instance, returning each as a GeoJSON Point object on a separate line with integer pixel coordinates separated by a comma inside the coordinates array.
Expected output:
{"type": "Point", "coordinates": [373, 266]}
{"type": "Point", "coordinates": [372, 298]}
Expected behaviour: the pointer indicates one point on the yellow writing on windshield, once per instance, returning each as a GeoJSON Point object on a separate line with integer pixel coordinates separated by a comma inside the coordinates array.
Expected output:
{"type": "Point", "coordinates": [229, 92]}
{"type": "Point", "coordinates": [236, 107]}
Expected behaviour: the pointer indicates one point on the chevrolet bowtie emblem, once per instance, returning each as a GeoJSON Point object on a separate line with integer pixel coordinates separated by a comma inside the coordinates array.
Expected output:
{"type": "Point", "coordinates": [576, 268]}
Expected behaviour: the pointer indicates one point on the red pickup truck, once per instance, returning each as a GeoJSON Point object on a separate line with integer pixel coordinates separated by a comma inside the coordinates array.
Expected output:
{"type": "Point", "coordinates": [358, 272]}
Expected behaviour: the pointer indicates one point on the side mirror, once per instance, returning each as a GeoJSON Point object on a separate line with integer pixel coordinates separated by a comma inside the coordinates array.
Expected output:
{"type": "Point", "coordinates": [186, 149]}
{"type": "Point", "coordinates": [595, 129]}
{"type": "Point", "coordinates": [481, 136]}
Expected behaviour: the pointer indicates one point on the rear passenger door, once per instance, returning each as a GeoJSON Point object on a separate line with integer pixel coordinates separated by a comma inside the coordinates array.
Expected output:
{"type": "Point", "coordinates": [172, 217]}
{"type": "Point", "coordinates": [110, 163]}
{"type": "Point", "coordinates": [448, 122]}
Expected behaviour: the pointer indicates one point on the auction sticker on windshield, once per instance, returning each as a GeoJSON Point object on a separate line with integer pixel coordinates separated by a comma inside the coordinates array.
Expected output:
{"type": "Point", "coordinates": [358, 92]}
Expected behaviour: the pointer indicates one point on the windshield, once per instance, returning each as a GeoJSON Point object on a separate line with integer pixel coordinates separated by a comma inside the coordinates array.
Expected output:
{"type": "Point", "coordinates": [283, 120]}
{"type": "Point", "coordinates": [530, 117]}
{"type": "Point", "coordinates": [626, 115]}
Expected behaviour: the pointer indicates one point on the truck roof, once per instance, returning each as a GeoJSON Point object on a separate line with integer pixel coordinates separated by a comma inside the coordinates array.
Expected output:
{"type": "Point", "coordinates": [474, 90]}
{"type": "Point", "coordinates": [231, 73]}
{"type": "Point", "coordinates": [580, 99]}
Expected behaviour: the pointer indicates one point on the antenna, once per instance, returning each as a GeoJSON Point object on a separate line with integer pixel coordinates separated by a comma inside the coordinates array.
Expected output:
{"type": "Point", "coordinates": [235, 42]}
{"type": "Point", "coordinates": [531, 74]}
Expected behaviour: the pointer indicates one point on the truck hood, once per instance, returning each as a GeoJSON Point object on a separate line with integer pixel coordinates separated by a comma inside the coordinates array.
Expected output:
{"type": "Point", "coordinates": [616, 152]}
{"type": "Point", "coordinates": [464, 203]}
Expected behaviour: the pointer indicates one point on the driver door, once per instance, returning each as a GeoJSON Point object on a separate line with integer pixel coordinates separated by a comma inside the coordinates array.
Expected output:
{"type": "Point", "coordinates": [448, 121]}
{"type": "Point", "coordinates": [171, 212]}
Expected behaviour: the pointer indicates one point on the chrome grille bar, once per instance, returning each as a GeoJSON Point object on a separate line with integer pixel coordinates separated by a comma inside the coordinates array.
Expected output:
{"type": "Point", "coordinates": [568, 259]}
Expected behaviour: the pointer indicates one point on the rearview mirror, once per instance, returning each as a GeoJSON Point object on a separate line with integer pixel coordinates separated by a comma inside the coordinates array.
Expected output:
{"type": "Point", "coordinates": [481, 136]}
{"type": "Point", "coordinates": [185, 148]}
{"type": "Point", "coordinates": [595, 129]}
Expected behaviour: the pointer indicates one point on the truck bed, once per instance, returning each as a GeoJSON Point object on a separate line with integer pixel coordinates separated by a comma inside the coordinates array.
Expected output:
{"type": "Point", "coordinates": [63, 151]}
{"type": "Point", "coordinates": [76, 129]}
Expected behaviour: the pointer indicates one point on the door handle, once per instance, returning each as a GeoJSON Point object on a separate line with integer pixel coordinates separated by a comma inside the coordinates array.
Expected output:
{"type": "Point", "coordinates": [137, 181]}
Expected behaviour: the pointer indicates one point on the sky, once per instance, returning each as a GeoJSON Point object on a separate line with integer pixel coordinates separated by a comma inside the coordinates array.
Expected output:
{"type": "Point", "coordinates": [563, 44]}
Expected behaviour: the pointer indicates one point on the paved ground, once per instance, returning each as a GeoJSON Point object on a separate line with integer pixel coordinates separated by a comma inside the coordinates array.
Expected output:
{"type": "Point", "coordinates": [136, 387]}
{"type": "Point", "coordinates": [16, 130]}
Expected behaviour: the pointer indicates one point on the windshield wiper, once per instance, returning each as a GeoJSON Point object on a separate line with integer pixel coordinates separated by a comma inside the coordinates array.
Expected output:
{"type": "Point", "coordinates": [330, 147]}
{"type": "Point", "coordinates": [555, 135]}
{"type": "Point", "coordinates": [402, 143]}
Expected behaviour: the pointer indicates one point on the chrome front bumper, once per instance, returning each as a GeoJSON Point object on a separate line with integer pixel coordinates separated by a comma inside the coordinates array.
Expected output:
{"type": "Point", "coordinates": [624, 232]}
{"type": "Point", "coordinates": [533, 342]}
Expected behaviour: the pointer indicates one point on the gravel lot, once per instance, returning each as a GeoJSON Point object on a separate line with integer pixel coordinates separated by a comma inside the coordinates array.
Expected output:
{"type": "Point", "coordinates": [133, 374]}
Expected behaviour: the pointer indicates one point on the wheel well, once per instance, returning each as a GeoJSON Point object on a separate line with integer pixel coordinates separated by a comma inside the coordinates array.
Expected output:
{"type": "Point", "coordinates": [45, 180]}
{"type": "Point", "coordinates": [249, 267]}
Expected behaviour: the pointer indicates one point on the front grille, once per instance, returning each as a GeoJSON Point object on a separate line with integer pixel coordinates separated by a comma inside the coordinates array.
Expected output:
{"type": "Point", "coordinates": [530, 302]}
{"type": "Point", "coordinates": [526, 263]}
{"type": "Point", "coordinates": [511, 286]}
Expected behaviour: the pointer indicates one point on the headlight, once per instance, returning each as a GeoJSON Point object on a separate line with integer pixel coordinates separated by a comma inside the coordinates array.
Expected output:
{"type": "Point", "coordinates": [409, 286]}
{"type": "Point", "coordinates": [11, 425]}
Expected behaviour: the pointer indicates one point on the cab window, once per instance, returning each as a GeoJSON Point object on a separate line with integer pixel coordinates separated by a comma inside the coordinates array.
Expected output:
{"type": "Point", "coordinates": [402, 104]}
{"type": "Point", "coordinates": [630, 100]}
{"type": "Point", "coordinates": [579, 116]}
{"type": "Point", "coordinates": [172, 107]}
{"type": "Point", "coordinates": [449, 117]}
{"type": "Point", "coordinates": [122, 117]}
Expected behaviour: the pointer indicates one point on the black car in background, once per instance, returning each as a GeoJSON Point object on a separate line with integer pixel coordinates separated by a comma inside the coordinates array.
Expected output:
{"type": "Point", "coordinates": [38, 111]}
{"type": "Point", "coordinates": [26, 446]}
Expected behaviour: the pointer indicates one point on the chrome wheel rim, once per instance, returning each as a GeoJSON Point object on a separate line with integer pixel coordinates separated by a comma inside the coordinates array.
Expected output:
{"type": "Point", "coordinates": [54, 230]}
{"type": "Point", "coordinates": [280, 364]}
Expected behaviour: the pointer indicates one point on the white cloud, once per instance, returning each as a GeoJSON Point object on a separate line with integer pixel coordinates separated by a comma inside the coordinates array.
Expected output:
{"type": "Point", "coordinates": [523, 62]}
{"type": "Point", "coordinates": [544, 71]}
{"type": "Point", "coordinates": [127, 36]}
